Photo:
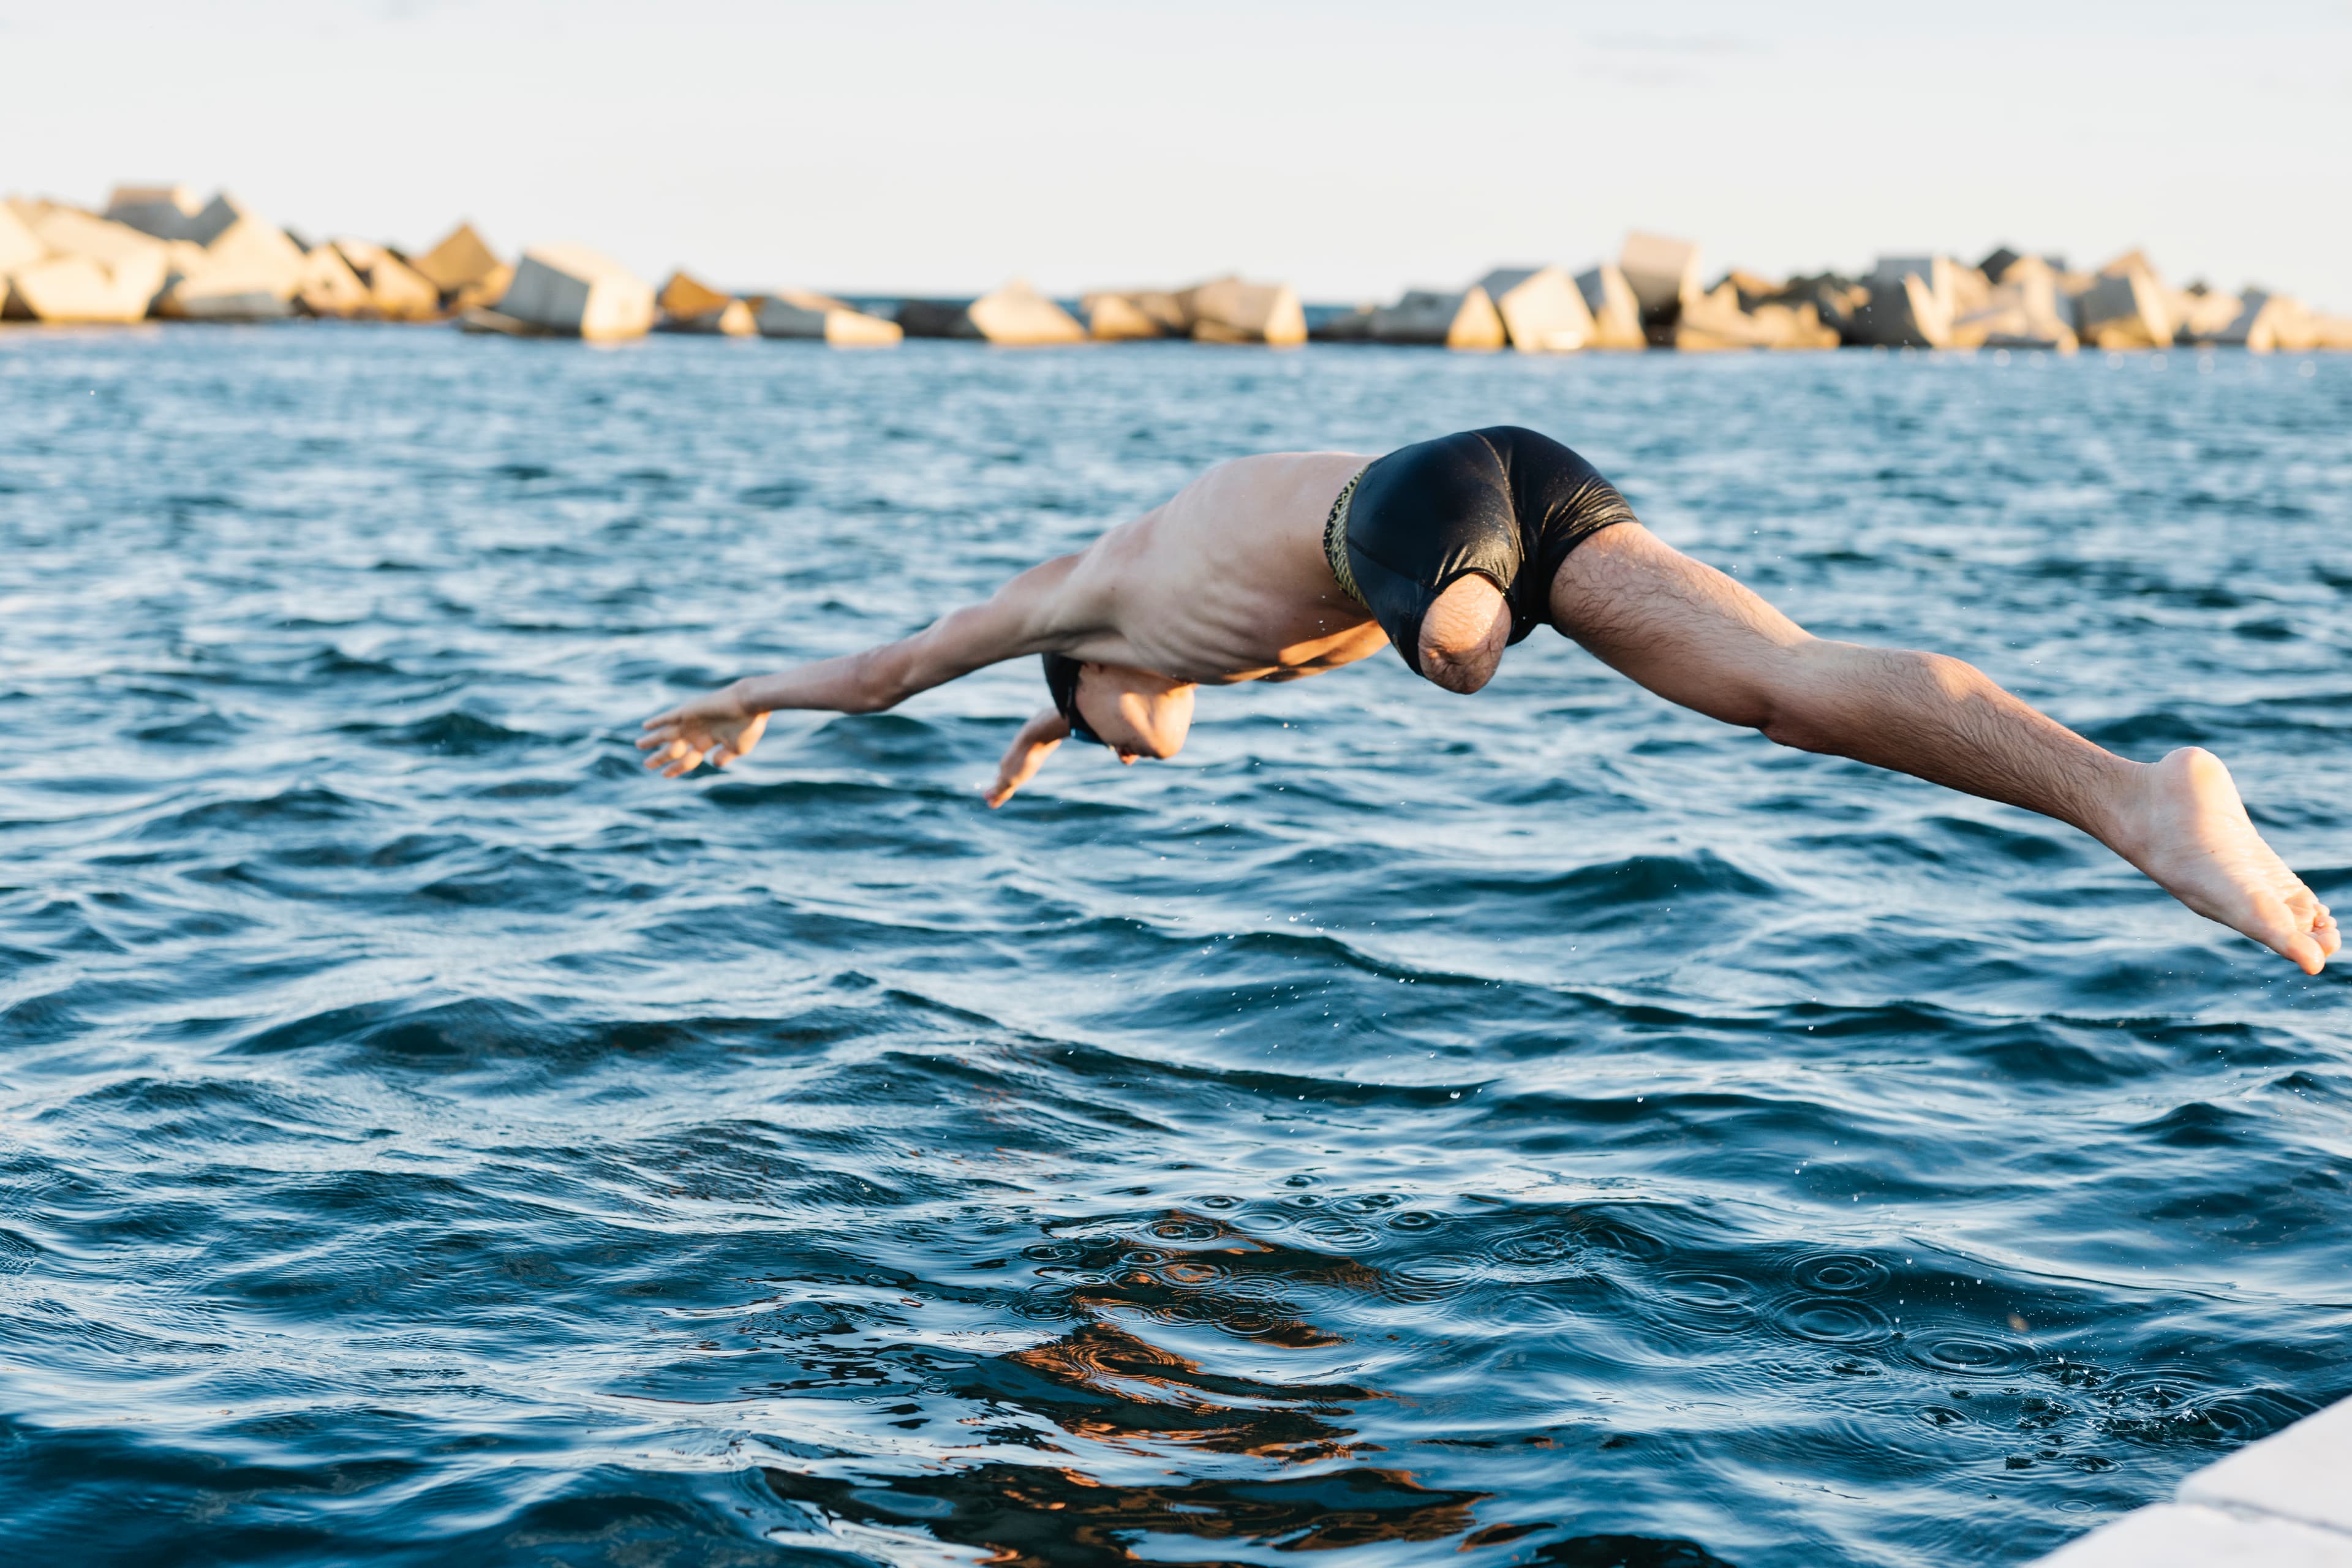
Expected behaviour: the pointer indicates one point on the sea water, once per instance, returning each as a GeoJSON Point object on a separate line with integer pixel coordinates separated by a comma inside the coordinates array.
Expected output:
{"type": "Point", "coordinates": [1545, 1126]}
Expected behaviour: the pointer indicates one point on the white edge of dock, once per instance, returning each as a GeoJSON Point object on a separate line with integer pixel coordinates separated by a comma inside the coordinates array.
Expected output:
{"type": "Point", "coordinates": [2283, 1503]}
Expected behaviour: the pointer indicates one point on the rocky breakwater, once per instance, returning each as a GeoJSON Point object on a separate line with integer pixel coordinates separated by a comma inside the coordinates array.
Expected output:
{"type": "Point", "coordinates": [1651, 295]}
{"type": "Point", "coordinates": [159, 252]}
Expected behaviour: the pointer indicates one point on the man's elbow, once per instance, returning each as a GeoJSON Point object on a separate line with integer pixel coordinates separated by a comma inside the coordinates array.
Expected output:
{"type": "Point", "coordinates": [877, 685]}
{"type": "Point", "coordinates": [1794, 727]}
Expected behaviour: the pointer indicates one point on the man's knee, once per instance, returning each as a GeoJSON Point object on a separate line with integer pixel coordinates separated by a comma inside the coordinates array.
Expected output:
{"type": "Point", "coordinates": [1463, 634]}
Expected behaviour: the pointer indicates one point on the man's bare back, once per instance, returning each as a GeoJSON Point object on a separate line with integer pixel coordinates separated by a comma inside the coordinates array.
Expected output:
{"type": "Point", "coordinates": [1227, 581]}
{"type": "Point", "coordinates": [1230, 580]}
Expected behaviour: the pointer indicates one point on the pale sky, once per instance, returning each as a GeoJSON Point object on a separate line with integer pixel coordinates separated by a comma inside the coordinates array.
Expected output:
{"type": "Point", "coordinates": [926, 146]}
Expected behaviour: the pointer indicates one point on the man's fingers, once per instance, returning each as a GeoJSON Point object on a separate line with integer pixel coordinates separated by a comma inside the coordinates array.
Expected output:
{"type": "Point", "coordinates": [649, 741]}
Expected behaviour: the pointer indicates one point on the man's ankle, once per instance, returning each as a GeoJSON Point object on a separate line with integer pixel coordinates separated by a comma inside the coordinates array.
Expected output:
{"type": "Point", "coordinates": [2119, 812]}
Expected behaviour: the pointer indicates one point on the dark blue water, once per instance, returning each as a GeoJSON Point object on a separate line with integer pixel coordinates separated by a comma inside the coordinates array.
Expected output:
{"type": "Point", "coordinates": [1545, 1125]}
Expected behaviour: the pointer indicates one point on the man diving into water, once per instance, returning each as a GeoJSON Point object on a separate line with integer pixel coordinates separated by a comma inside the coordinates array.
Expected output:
{"type": "Point", "coordinates": [1278, 567]}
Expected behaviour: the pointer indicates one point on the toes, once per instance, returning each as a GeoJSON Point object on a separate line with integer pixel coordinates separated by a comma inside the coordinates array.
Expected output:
{"type": "Point", "coordinates": [2273, 922]}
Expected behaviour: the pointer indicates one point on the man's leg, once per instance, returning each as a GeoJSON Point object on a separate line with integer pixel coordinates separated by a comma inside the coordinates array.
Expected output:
{"type": "Point", "coordinates": [1696, 638]}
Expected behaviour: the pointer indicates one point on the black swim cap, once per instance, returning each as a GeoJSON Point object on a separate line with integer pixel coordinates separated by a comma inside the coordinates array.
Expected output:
{"type": "Point", "coordinates": [1062, 674]}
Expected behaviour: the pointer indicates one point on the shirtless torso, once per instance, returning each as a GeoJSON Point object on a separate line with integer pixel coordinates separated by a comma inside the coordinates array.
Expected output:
{"type": "Point", "coordinates": [1229, 580]}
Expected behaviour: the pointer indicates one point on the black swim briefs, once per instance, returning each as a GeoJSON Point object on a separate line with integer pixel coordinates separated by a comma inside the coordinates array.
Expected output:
{"type": "Point", "coordinates": [1062, 682]}
{"type": "Point", "coordinates": [1504, 502]}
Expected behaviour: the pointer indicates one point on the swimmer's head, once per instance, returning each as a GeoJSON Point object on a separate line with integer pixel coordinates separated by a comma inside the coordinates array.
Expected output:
{"type": "Point", "coordinates": [1133, 711]}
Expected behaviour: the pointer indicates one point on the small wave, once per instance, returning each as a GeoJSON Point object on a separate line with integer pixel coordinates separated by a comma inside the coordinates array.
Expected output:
{"type": "Point", "coordinates": [2197, 1125]}
{"type": "Point", "coordinates": [302, 804]}
{"type": "Point", "coordinates": [454, 732]}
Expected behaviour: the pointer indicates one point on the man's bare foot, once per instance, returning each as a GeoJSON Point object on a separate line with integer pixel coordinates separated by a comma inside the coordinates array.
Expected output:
{"type": "Point", "coordinates": [2188, 830]}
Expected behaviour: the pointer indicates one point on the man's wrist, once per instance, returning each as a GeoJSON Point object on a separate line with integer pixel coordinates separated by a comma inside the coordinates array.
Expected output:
{"type": "Point", "coordinates": [745, 694]}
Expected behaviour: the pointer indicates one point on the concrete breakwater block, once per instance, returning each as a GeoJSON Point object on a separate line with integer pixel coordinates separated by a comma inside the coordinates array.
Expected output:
{"type": "Point", "coordinates": [1913, 300]}
{"type": "Point", "coordinates": [2125, 307]}
{"type": "Point", "coordinates": [68, 231]}
{"type": "Point", "coordinates": [250, 270]}
{"type": "Point", "coordinates": [466, 270]}
{"type": "Point", "coordinates": [1543, 312]}
{"type": "Point", "coordinates": [328, 286]}
{"type": "Point", "coordinates": [2254, 325]}
{"type": "Point", "coordinates": [396, 291]}
{"type": "Point", "coordinates": [82, 289]}
{"type": "Point", "coordinates": [1616, 311]}
{"type": "Point", "coordinates": [1907, 312]}
{"type": "Point", "coordinates": [2023, 310]}
{"type": "Point", "coordinates": [1997, 263]}
{"type": "Point", "coordinates": [1015, 316]}
{"type": "Point", "coordinates": [1353, 325]}
{"type": "Point", "coordinates": [1714, 320]}
{"type": "Point", "coordinates": [1230, 310]}
{"type": "Point", "coordinates": [1018, 314]}
{"type": "Point", "coordinates": [1454, 318]}
{"type": "Point", "coordinates": [1135, 315]}
{"type": "Point", "coordinates": [172, 212]}
{"type": "Point", "coordinates": [2279, 324]}
{"type": "Point", "coordinates": [1835, 302]}
{"type": "Point", "coordinates": [2125, 311]}
{"type": "Point", "coordinates": [2264, 322]}
{"type": "Point", "coordinates": [65, 266]}
{"type": "Point", "coordinates": [686, 295]}
{"type": "Point", "coordinates": [19, 247]}
{"type": "Point", "coordinates": [2199, 312]}
{"type": "Point", "coordinates": [571, 291]}
{"type": "Point", "coordinates": [1662, 272]}
{"type": "Point", "coordinates": [214, 219]}
{"type": "Point", "coordinates": [689, 305]}
{"type": "Point", "coordinates": [798, 313]}
{"type": "Point", "coordinates": [1115, 318]}
{"type": "Point", "coordinates": [166, 211]}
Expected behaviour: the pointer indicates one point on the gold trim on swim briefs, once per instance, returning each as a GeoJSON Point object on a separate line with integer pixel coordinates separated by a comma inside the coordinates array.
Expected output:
{"type": "Point", "coordinates": [1335, 537]}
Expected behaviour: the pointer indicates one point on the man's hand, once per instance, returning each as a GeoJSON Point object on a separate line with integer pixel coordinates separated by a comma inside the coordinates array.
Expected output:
{"type": "Point", "coordinates": [1026, 755]}
{"type": "Point", "coordinates": [718, 728]}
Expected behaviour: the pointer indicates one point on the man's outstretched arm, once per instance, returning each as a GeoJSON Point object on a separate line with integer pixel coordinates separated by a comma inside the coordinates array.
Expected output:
{"type": "Point", "coordinates": [1696, 636]}
{"type": "Point", "coordinates": [1029, 615]}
